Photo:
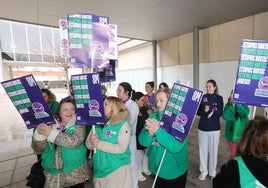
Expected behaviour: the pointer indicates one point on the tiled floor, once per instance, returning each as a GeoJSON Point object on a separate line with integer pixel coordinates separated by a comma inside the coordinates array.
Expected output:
{"type": "Point", "coordinates": [16, 155]}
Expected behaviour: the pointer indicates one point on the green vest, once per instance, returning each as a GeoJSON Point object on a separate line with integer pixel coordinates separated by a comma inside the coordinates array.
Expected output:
{"type": "Point", "coordinates": [53, 106]}
{"type": "Point", "coordinates": [72, 157]}
{"type": "Point", "coordinates": [105, 163]}
{"type": "Point", "coordinates": [247, 180]}
{"type": "Point", "coordinates": [174, 163]}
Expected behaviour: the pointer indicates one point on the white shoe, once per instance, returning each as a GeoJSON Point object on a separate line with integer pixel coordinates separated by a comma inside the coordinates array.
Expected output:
{"type": "Point", "coordinates": [202, 177]}
{"type": "Point", "coordinates": [212, 177]}
{"type": "Point", "coordinates": [148, 173]}
{"type": "Point", "coordinates": [142, 178]}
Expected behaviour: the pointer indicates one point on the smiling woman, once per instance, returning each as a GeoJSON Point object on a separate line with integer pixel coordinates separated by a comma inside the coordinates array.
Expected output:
{"type": "Point", "coordinates": [62, 148]}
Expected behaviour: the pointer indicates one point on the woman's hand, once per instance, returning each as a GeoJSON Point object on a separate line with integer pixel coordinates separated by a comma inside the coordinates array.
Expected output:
{"type": "Point", "coordinates": [152, 126]}
{"type": "Point", "coordinates": [206, 109]}
{"type": "Point", "coordinates": [94, 140]}
{"type": "Point", "coordinates": [44, 129]}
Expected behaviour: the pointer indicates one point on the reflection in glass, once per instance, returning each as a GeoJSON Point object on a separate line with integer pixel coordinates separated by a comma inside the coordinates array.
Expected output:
{"type": "Point", "coordinates": [34, 40]}
{"type": "Point", "coordinates": [19, 37]}
{"type": "Point", "coordinates": [5, 37]}
{"type": "Point", "coordinates": [46, 41]}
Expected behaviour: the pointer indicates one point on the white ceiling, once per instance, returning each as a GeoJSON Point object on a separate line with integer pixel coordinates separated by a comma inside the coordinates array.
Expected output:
{"type": "Point", "coordinates": [139, 19]}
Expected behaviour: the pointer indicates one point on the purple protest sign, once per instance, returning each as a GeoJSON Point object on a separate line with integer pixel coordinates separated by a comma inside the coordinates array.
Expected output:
{"type": "Point", "coordinates": [27, 97]}
{"type": "Point", "coordinates": [108, 74]}
{"type": "Point", "coordinates": [113, 41]}
{"type": "Point", "coordinates": [88, 99]}
{"type": "Point", "coordinates": [251, 85]}
{"type": "Point", "coordinates": [89, 41]}
{"type": "Point", "coordinates": [180, 110]}
{"type": "Point", "coordinates": [64, 40]}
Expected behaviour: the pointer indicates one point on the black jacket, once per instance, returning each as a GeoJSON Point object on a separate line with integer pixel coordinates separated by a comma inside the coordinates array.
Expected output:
{"type": "Point", "coordinates": [216, 104]}
{"type": "Point", "coordinates": [143, 115]}
{"type": "Point", "coordinates": [229, 174]}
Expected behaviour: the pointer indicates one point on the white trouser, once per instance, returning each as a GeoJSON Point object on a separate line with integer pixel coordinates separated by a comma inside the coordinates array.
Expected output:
{"type": "Point", "coordinates": [208, 151]}
{"type": "Point", "coordinates": [139, 156]}
{"type": "Point", "coordinates": [142, 161]}
{"type": "Point", "coordinates": [133, 158]}
{"type": "Point", "coordinates": [145, 163]}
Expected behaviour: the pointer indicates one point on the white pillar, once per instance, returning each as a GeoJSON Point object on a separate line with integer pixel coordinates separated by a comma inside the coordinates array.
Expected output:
{"type": "Point", "coordinates": [2, 91]}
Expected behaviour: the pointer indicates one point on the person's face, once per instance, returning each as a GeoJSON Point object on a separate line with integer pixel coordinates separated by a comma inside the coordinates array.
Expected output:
{"type": "Point", "coordinates": [148, 88]}
{"type": "Point", "coordinates": [210, 88]}
{"type": "Point", "coordinates": [121, 94]}
{"type": "Point", "coordinates": [161, 100]}
{"type": "Point", "coordinates": [141, 101]}
{"type": "Point", "coordinates": [67, 112]}
{"type": "Point", "coordinates": [45, 96]}
{"type": "Point", "coordinates": [162, 86]}
{"type": "Point", "coordinates": [107, 108]}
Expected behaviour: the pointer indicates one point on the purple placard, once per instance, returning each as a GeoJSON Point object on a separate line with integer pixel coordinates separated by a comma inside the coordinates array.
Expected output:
{"type": "Point", "coordinates": [64, 40]}
{"type": "Point", "coordinates": [251, 85]}
{"type": "Point", "coordinates": [89, 41]}
{"type": "Point", "coordinates": [27, 97]}
{"type": "Point", "coordinates": [108, 74]}
{"type": "Point", "coordinates": [88, 99]}
{"type": "Point", "coordinates": [180, 111]}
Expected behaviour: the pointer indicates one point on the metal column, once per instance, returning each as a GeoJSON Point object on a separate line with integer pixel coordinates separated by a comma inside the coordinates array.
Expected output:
{"type": "Point", "coordinates": [154, 44]}
{"type": "Point", "coordinates": [196, 57]}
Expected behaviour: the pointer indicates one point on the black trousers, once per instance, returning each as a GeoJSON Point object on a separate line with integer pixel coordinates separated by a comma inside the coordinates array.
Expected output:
{"type": "Point", "coordinates": [80, 185]}
{"type": "Point", "coordinates": [179, 182]}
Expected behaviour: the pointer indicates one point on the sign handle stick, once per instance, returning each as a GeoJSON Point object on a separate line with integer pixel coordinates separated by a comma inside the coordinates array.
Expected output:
{"type": "Point", "coordinates": [94, 132]}
{"type": "Point", "coordinates": [254, 112]}
{"type": "Point", "coordinates": [159, 168]}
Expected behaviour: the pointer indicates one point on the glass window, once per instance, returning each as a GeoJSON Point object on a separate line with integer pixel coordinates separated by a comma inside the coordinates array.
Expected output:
{"type": "Point", "coordinates": [21, 57]}
{"type": "Point", "coordinates": [5, 36]}
{"type": "Point", "coordinates": [19, 36]}
{"type": "Point", "coordinates": [56, 35]}
{"type": "Point", "coordinates": [46, 40]}
{"type": "Point", "coordinates": [34, 39]}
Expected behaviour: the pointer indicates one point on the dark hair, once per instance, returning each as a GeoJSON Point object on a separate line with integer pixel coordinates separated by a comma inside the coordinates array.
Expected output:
{"type": "Point", "coordinates": [213, 82]}
{"type": "Point", "coordinates": [137, 96]}
{"type": "Point", "coordinates": [150, 84]}
{"type": "Point", "coordinates": [254, 139]}
{"type": "Point", "coordinates": [50, 96]}
{"type": "Point", "coordinates": [163, 84]}
{"type": "Point", "coordinates": [103, 87]}
{"type": "Point", "coordinates": [127, 88]}
{"type": "Point", "coordinates": [64, 100]}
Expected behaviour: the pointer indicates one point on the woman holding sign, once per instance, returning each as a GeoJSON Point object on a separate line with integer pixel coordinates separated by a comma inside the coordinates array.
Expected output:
{"type": "Point", "coordinates": [210, 111]}
{"type": "Point", "coordinates": [111, 161]}
{"type": "Point", "coordinates": [236, 117]}
{"type": "Point", "coordinates": [175, 164]}
{"type": "Point", "coordinates": [63, 150]}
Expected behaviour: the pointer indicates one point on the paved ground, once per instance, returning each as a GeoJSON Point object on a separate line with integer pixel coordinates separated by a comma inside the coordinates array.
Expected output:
{"type": "Point", "coordinates": [16, 155]}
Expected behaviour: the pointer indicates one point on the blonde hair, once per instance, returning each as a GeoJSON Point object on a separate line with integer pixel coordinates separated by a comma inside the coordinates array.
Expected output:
{"type": "Point", "coordinates": [119, 111]}
{"type": "Point", "coordinates": [163, 90]}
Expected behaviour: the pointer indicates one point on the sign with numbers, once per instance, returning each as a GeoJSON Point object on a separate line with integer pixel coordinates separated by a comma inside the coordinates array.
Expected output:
{"type": "Point", "coordinates": [251, 85]}
{"type": "Point", "coordinates": [180, 110]}
{"type": "Point", "coordinates": [27, 97]}
{"type": "Point", "coordinates": [88, 99]}
{"type": "Point", "coordinates": [89, 41]}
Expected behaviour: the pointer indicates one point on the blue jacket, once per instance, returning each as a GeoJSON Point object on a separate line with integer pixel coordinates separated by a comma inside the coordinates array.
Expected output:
{"type": "Point", "coordinates": [216, 105]}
